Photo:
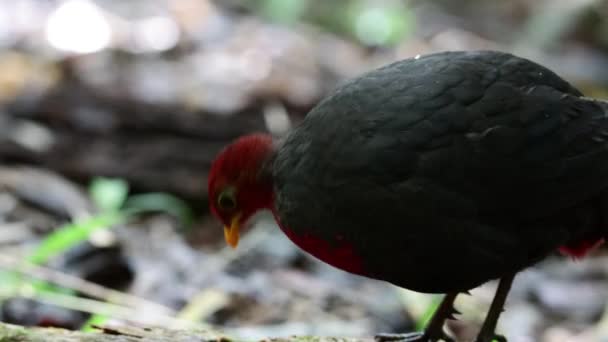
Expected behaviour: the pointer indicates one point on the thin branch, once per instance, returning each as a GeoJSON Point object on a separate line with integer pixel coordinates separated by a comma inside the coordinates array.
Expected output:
{"type": "Point", "coordinates": [74, 283]}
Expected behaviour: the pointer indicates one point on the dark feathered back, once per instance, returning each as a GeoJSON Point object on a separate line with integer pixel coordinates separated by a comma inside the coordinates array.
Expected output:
{"type": "Point", "coordinates": [474, 153]}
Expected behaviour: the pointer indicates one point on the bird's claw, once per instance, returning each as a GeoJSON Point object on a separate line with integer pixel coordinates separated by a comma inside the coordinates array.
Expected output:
{"type": "Point", "coordinates": [412, 337]}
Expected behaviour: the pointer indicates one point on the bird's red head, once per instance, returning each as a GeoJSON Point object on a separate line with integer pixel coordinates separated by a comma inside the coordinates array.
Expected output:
{"type": "Point", "coordinates": [240, 184]}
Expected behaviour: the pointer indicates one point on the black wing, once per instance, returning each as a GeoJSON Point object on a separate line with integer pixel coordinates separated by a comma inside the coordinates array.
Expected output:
{"type": "Point", "coordinates": [464, 155]}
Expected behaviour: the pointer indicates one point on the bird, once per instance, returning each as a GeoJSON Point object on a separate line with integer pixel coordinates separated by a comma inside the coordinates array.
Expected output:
{"type": "Point", "coordinates": [436, 173]}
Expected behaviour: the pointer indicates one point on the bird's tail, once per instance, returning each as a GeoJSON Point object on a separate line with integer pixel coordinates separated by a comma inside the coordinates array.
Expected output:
{"type": "Point", "coordinates": [598, 213]}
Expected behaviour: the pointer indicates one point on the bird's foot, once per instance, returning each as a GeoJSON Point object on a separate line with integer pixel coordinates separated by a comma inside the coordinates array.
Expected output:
{"type": "Point", "coordinates": [413, 337]}
{"type": "Point", "coordinates": [491, 338]}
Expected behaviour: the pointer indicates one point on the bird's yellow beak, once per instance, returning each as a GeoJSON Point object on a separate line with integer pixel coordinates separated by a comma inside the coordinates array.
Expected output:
{"type": "Point", "coordinates": [231, 234]}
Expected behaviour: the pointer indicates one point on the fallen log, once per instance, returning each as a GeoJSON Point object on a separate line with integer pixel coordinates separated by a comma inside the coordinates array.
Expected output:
{"type": "Point", "coordinates": [14, 333]}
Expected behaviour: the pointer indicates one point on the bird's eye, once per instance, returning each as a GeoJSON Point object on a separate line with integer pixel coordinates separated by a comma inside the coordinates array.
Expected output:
{"type": "Point", "coordinates": [227, 200]}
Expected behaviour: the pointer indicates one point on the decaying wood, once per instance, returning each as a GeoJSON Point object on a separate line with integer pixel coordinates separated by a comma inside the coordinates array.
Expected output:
{"type": "Point", "coordinates": [14, 333]}
{"type": "Point", "coordinates": [82, 133]}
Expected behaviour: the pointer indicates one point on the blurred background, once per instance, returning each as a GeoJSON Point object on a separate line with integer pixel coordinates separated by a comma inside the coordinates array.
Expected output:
{"type": "Point", "coordinates": [111, 112]}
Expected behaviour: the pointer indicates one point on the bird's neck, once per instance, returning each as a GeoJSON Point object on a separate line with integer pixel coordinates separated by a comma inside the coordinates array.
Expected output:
{"type": "Point", "coordinates": [264, 188]}
{"type": "Point", "coordinates": [266, 198]}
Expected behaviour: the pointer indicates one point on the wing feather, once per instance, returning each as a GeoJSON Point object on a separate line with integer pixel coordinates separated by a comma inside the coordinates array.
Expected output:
{"type": "Point", "coordinates": [470, 153]}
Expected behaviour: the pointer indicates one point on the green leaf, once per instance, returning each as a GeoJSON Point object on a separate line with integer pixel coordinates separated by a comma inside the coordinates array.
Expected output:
{"type": "Point", "coordinates": [160, 202]}
{"type": "Point", "coordinates": [422, 322]}
{"type": "Point", "coordinates": [109, 194]}
{"type": "Point", "coordinates": [71, 234]}
{"type": "Point", "coordinates": [95, 319]}
{"type": "Point", "coordinates": [381, 24]}
{"type": "Point", "coordinates": [285, 11]}
{"type": "Point", "coordinates": [11, 281]}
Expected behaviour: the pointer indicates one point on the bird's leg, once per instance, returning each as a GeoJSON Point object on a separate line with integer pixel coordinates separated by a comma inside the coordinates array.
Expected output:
{"type": "Point", "coordinates": [434, 330]}
{"type": "Point", "coordinates": [487, 332]}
